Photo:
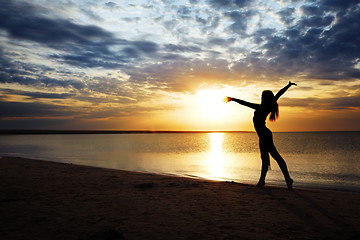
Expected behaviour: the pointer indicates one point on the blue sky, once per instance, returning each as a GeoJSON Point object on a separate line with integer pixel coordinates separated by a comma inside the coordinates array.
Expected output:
{"type": "Point", "coordinates": [165, 64]}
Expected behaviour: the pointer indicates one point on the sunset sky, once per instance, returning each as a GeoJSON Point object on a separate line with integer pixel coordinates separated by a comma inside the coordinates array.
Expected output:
{"type": "Point", "coordinates": [167, 64]}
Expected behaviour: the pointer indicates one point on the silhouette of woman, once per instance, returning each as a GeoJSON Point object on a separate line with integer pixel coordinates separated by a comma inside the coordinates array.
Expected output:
{"type": "Point", "coordinates": [268, 106]}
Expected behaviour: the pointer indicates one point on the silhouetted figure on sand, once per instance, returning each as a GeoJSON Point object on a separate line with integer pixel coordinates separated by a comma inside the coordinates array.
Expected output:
{"type": "Point", "coordinates": [268, 106]}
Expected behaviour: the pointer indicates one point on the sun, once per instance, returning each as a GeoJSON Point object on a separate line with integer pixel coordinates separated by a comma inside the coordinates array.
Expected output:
{"type": "Point", "coordinates": [210, 105]}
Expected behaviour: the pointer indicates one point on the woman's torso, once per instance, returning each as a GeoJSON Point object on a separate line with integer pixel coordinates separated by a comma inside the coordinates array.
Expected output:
{"type": "Point", "coordinates": [259, 118]}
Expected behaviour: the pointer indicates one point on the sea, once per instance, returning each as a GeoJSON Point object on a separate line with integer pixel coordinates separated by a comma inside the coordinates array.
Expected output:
{"type": "Point", "coordinates": [320, 160]}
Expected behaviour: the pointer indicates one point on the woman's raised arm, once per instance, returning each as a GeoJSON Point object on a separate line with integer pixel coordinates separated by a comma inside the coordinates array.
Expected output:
{"type": "Point", "coordinates": [283, 90]}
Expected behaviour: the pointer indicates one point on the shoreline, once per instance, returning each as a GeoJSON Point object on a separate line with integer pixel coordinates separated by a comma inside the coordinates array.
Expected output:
{"type": "Point", "coordinates": [41, 199]}
{"type": "Point", "coordinates": [297, 185]}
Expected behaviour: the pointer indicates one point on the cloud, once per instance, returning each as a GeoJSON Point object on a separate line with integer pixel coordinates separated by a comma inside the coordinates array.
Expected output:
{"type": "Point", "coordinates": [84, 46]}
{"type": "Point", "coordinates": [32, 109]}
{"type": "Point", "coordinates": [286, 15]}
{"type": "Point", "coordinates": [311, 10]}
{"type": "Point", "coordinates": [111, 5]}
{"type": "Point", "coordinates": [230, 3]}
{"type": "Point", "coordinates": [92, 15]}
{"type": "Point", "coordinates": [37, 95]}
{"type": "Point", "coordinates": [314, 47]}
{"type": "Point", "coordinates": [221, 41]}
{"type": "Point", "coordinates": [130, 52]}
{"type": "Point", "coordinates": [310, 43]}
{"type": "Point", "coordinates": [333, 103]}
{"type": "Point", "coordinates": [90, 60]}
{"type": "Point", "coordinates": [39, 81]}
{"type": "Point", "coordinates": [240, 20]}
{"type": "Point", "coordinates": [145, 46]}
{"type": "Point", "coordinates": [184, 12]}
{"type": "Point", "coordinates": [316, 21]}
{"type": "Point", "coordinates": [100, 56]}
{"type": "Point", "coordinates": [181, 48]}
{"type": "Point", "coordinates": [194, 1]}
{"type": "Point", "coordinates": [333, 5]}
{"type": "Point", "coordinates": [21, 21]}
{"type": "Point", "coordinates": [183, 75]}
{"type": "Point", "coordinates": [134, 19]}
{"type": "Point", "coordinates": [208, 24]}
{"type": "Point", "coordinates": [169, 48]}
{"type": "Point", "coordinates": [39, 123]}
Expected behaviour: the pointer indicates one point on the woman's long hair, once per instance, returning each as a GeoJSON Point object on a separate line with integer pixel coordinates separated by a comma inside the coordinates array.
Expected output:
{"type": "Point", "coordinates": [268, 101]}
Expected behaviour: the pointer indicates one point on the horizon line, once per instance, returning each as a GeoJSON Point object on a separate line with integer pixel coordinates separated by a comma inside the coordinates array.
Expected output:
{"type": "Point", "coordinates": [52, 131]}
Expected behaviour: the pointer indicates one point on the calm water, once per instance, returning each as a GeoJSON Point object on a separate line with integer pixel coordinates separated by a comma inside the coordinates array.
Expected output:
{"type": "Point", "coordinates": [316, 160]}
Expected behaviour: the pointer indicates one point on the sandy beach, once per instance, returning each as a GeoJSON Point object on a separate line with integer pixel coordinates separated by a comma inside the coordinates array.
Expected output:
{"type": "Point", "coordinates": [47, 200]}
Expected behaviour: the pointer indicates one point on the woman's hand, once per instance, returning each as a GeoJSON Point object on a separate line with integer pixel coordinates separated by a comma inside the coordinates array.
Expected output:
{"type": "Point", "coordinates": [291, 83]}
{"type": "Point", "coordinates": [227, 99]}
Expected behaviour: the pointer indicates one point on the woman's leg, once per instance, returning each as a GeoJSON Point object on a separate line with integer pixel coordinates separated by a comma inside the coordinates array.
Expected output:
{"type": "Point", "coordinates": [265, 163]}
{"type": "Point", "coordinates": [282, 164]}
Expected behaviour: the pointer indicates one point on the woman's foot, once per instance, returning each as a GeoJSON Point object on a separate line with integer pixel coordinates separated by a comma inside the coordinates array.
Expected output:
{"type": "Point", "coordinates": [289, 183]}
{"type": "Point", "coordinates": [260, 184]}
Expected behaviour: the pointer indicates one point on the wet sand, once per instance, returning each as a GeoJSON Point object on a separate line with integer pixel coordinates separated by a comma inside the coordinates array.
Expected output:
{"type": "Point", "coordinates": [47, 200]}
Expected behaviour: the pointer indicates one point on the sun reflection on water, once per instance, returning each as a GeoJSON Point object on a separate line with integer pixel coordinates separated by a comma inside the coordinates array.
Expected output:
{"type": "Point", "coordinates": [216, 158]}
